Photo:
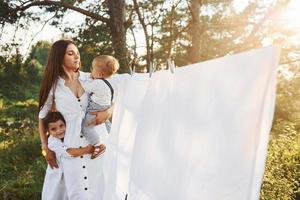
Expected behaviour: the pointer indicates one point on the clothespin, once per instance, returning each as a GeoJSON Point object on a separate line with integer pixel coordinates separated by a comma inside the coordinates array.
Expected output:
{"type": "Point", "coordinates": [133, 63]}
{"type": "Point", "coordinates": [171, 65]}
{"type": "Point", "coordinates": [151, 69]}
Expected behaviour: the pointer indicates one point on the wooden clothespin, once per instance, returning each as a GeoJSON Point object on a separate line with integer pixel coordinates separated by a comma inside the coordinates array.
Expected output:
{"type": "Point", "coordinates": [151, 69]}
{"type": "Point", "coordinates": [133, 63]}
{"type": "Point", "coordinates": [171, 65]}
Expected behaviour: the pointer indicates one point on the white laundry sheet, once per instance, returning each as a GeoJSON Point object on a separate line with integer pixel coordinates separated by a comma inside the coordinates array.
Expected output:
{"type": "Point", "coordinates": [198, 134]}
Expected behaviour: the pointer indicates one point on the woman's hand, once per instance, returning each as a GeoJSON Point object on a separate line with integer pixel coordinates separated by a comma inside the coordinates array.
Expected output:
{"type": "Point", "coordinates": [50, 158]}
{"type": "Point", "coordinates": [101, 116]}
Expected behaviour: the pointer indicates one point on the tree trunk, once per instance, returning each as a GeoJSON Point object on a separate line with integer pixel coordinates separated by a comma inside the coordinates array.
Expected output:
{"type": "Point", "coordinates": [118, 33]}
{"type": "Point", "coordinates": [194, 51]}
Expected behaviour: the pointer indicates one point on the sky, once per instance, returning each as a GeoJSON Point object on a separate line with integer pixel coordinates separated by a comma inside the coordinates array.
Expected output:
{"type": "Point", "coordinates": [39, 31]}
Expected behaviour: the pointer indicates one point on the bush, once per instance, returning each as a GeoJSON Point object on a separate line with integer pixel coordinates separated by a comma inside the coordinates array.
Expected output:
{"type": "Point", "coordinates": [282, 174]}
{"type": "Point", "coordinates": [22, 168]}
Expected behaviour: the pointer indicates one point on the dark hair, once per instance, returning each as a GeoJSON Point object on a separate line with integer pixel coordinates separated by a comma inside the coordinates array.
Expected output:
{"type": "Point", "coordinates": [53, 117]}
{"type": "Point", "coordinates": [53, 69]}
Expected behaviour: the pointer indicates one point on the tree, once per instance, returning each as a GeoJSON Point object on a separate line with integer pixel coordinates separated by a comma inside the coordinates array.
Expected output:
{"type": "Point", "coordinates": [39, 52]}
{"type": "Point", "coordinates": [145, 30]}
{"type": "Point", "coordinates": [112, 15]}
{"type": "Point", "coordinates": [195, 32]}
{"type": "Point", "coordinates": [92, 39]}
{"type": "Point", "coordinates": [163, 25]}
{"type": "Point", "coordinates": [218, 28]}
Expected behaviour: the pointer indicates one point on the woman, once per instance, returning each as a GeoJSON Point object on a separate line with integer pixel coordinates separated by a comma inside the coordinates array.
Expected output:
{"type": "Point", "coordinates": [62, 85]}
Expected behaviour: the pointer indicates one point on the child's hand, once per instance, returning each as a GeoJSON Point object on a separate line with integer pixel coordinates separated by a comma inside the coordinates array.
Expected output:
{"type": "Point", "coordinates": [89, 149]}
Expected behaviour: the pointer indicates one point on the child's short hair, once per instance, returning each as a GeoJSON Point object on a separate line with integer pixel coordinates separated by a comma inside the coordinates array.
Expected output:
{"type": "Point", "coordinates": [108, 64]}
{"type": "Point", "coordinates": [53, 117]}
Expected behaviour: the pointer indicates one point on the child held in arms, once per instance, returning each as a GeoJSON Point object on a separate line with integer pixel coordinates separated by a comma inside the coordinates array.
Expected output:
{"type": "Point", "coordinates": [101, 96]}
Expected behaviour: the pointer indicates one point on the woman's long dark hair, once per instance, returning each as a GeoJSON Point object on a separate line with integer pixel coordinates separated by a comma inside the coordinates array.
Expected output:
{"type": "Point", "coordinates": [53, 69]}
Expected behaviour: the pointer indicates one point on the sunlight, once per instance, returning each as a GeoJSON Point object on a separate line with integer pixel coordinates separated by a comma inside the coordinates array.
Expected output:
{"type": "Point", "coordinates": [240, 5]}
{"type": "Point", "coordinates": [291, 16]}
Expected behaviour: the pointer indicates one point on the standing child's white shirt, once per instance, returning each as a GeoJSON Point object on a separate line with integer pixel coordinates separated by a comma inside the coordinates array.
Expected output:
{"type": "Point", "coordinates": [57, 190]}
{"type": "Point", "coordinates": [57, 145]}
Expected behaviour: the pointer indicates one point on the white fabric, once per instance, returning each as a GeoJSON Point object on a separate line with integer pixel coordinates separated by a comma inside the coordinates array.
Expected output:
{"type": "Point", "coordinates": [56, 145]}
{"type": "Point", "coordinates": [57, 189]}
{"type": "Point", "coordinates": [74, 169]}
{"type": "Point", "coordinates": [56, 176]}
{"type": "Point", "coordinates": [200, 133]}
{"type": "Point", "coordinates": [101, 91]}
{"type": "Point", "coordinates": [121, 137]}
{"type": "Point", "coordinates": [117, 81]}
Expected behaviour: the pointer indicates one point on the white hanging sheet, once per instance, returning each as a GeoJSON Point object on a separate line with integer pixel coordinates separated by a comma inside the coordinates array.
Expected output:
{"type": "Point", "coordinates": [200, 133]}
{"type": "Point", "coordinates": [120, 144]}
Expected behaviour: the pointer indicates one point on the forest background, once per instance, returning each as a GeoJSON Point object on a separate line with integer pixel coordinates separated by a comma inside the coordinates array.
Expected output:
{"type": "Point", "coordinates": [141, 34]}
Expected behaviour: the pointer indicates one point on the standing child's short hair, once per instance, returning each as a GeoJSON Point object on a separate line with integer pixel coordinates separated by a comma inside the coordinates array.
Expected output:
{"type": "Point", "coordinates": [107, 63]}
{"type": "Point", "coordinates": [53, 117]}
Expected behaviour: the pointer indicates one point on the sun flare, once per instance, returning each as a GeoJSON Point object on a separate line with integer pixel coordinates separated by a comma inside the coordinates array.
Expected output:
{"type": "Point", "coordinates": [291, 15]}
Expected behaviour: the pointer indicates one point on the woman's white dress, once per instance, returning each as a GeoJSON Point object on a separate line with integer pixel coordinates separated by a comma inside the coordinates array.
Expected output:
{"type": "Point", "coordinates": [77, 178]}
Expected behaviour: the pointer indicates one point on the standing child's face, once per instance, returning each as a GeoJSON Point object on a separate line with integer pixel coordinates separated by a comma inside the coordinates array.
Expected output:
{"type": "Point", "coordinates": [57, 129]}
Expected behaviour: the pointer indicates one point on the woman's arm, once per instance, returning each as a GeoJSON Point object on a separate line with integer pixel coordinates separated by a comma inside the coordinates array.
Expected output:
{"type": "Point", "coordinates": [101, 116]}
{"type": "Point", "coordinates": [49, 155]}
{"type": "Point", "coordinates": [80, 151]}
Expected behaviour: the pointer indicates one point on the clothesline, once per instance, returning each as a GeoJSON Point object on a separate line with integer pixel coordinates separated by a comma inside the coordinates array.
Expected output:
{"type": "Point", "coordinates": [200, 133]}
{"type": "Point", "coordinates": [170, 65]}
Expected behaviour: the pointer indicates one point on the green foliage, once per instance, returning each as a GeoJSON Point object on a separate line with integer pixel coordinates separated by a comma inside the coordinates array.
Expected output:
{"type": "Point", "coordinates": [21, 166]}
{"type": "Point", "coordinates": [6, 13]}
{"type": "Point", "coordinates": [172, 35]}
{"type": "Point", "coordinates": [17, 118]}
{"type": "Point", "coordinates": [32, 69]}
{"type": "Point", "coordinates": [93, 39]}
{"type": "Point", "coordinates": [19, 80]}
{"type": "Point", "coordinates": [10, 79]}
{"type": "Point", "coordinates": [282, 174]}
{"type": "Point", "coordinates": [39, 53]}
{"type": "Point", "coordinates": [22, 169]}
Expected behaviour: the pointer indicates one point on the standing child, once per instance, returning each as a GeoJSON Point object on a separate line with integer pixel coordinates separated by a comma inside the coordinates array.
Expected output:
{"type": "Point", "coordinates": [101, 96]}
{"type": "Point", "coordinates": [55, 125]}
